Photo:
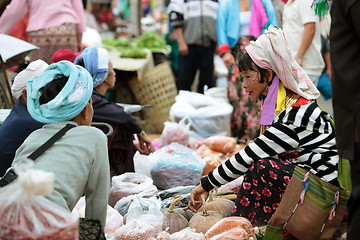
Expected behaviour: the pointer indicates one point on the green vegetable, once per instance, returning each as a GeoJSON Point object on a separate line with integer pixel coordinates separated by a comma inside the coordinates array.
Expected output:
{"type": "Point", "coordinates": [112, 42]}
{"type": "Point", "coordinates": [151, 40]}
{"type": "Point", "coordinates": [133, 53]}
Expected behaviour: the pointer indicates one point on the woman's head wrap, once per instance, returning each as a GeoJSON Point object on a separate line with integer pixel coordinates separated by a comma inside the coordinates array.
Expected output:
{"type": "Point", "coordinates": [33, 69]}
{"type": "Point", "coordinates": [69, 102]}
{"type": "Point", "coordinates": [270, 51]}
{"type": "Point", "coordinates": [96, 61]}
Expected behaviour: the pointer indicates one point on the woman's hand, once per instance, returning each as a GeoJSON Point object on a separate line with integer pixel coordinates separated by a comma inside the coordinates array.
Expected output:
{"type": "Point", "coordinates": [228, 59]}
{"type": "Point", "coordinates": [195, 198]}
{"type": "Point", "coordinates": [145, 145]}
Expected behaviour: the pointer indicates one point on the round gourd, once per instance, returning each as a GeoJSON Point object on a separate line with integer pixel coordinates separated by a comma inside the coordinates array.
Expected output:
{"type": "Point", "coordinates": [221, 205]}
{"type": "Point", "coordinates": [204, 220]}
{"type": "Point", "coordinates": [186, 213]}
{"type": "Point", "coordinates": [174, 221]}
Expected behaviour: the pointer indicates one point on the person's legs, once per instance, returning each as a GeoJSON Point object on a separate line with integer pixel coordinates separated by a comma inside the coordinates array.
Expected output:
{"type": "Point", "coordinates": [186, 69]}
{"type": "Point", "coordinates": [262, 188]}
{"type": "Point", "coordinates": [354, 202]}
{"type": "Point", "coordinates": [206, 67]}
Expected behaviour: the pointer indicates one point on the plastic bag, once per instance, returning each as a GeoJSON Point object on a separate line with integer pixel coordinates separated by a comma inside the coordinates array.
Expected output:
{"type": "Point", "coordinates": [144, 163]}
{"type": "Point", "coordinates": [128, 184]}
{"type": "Point", "coordinates": [26, 214]}
{"type": "Point", "coordinates": [208, 115]}
{"type": "Point", "coordinates": [123, 205]}
{"type": "Point", "coordinates": [221, 144]}
{"type": "Point", "coordinates": [178, 169]}
{"type": "Point", "coordinates": [141, 224]}
{"type": "Point", "coordinates": [176, 132]}
{"type": "Point", "coordinates": [187, 234]}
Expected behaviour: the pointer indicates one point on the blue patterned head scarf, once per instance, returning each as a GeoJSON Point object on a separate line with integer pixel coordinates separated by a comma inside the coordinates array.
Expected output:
{"type": "Point", "coordinates": [96, 61]}
{"type": "Point", "coordinates": [69, 102]}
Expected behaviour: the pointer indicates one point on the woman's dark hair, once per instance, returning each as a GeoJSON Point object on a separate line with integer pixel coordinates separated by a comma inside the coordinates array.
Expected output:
{"type": "Point", "coordinates": [52, 89]}
{"type": "Point", "coordinates": [80, 62]}
{"type": "Point", "coordinates": [246, 63]}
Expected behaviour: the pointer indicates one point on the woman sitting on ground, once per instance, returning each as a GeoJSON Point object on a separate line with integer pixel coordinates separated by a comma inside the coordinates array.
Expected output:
{"type": "Point", "coordinates": [294, 128]}
{"type": "Point", "coordinates": [121, 147]}
{"type": "Point", "coordinates": [61, 95]}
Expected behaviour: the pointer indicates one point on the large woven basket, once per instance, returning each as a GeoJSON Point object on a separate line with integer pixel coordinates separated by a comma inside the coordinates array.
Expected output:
{"type": "Point", "coordinates": [156, 87]}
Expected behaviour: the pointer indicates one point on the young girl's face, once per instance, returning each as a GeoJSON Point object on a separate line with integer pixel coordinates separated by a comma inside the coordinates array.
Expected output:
{"type": "Point", "coordinates": [252, 85]}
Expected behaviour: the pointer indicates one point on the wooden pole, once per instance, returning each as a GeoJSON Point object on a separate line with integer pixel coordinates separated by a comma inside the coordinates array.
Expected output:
{"type": "Point", "coordinates": [135, 18]}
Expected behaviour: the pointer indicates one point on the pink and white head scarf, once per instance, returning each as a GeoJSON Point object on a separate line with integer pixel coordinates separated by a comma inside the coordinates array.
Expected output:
{"type": "Point", "coordinates": [270, 51]}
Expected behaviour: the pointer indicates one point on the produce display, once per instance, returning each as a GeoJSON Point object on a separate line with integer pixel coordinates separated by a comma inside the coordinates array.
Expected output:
{"type": "Point", "coordinates": [151, 41]}
{"type": "Point", "coordinates": [140, 210]}
{"type": "Point", "coordinates": [127, 49]}
{"type": "Point", "coordinates": [124, 47]}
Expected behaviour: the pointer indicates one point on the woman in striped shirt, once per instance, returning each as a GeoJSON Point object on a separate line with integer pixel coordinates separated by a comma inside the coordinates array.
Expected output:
{"type": "Point", "coordinates": [295, 131]}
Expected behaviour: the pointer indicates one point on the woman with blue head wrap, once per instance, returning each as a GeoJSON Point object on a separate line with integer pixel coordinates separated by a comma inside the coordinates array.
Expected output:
{"type": "Point", "coordinates": [59, 96]}
{"type": "Point", "coordinates": [121, 148]}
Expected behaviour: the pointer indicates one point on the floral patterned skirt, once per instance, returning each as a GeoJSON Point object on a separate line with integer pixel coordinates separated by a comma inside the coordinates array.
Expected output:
{"type": "Point", "coordinates": [246, 114]}
{"type": "Point", "coordinates": [262, 189]}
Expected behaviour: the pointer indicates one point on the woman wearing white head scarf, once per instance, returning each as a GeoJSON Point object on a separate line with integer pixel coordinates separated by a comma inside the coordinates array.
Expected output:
{"type": "Point", "coordinates": [294, 128]}
{"type": "Point", "coordinates": [121, 148]}
{"type": "Point", "coordinates": [19, 124]}
{"type": "Point", "coordinates": [61, 95]}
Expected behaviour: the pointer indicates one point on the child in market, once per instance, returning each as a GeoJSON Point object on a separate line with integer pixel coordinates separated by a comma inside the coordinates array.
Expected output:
{"type": "Point", "coordinates": [293, 128]}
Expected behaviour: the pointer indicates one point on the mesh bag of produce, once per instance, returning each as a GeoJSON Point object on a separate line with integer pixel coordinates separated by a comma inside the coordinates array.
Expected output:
{"type": "Point", "coordinates": [178, 169]}
{"type": "Point", "coordinates": [26, 214]}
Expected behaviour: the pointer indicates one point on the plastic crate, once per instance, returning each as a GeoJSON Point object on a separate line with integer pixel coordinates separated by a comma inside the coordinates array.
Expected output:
{"type": "Point", "coordinates": [156, 87]}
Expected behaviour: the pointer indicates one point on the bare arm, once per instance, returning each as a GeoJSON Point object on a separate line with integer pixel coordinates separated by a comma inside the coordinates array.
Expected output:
{"type": "Point", "coordinates": [309, 32]}
{"type": "Point", "coordinates": [183, 47]}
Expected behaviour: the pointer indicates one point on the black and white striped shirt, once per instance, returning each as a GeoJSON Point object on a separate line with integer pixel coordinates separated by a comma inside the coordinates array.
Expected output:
{"type": "Point", "coordinates": [303, 129]}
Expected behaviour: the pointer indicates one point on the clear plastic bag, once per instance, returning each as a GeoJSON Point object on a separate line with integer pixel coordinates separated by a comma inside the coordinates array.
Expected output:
{"type": "Point", "coordinates": [187, 234]}
{"type": "Point", "coordinates": [208, 115]}
{"type": "Point", "coordinates": [178, 169]}
{"type": "Point", "coordinates": [123, 205]}
{"type": "Point", "coordinates": [141, 224]}
{"type": "Point", "coordinates": [26, 214]}
{"type": "Point", "coordinates": [144, 163]}
{"type": "Point", "coordinates": [128, 184]}
{"type": "Point", "coordinates": [176, 132]}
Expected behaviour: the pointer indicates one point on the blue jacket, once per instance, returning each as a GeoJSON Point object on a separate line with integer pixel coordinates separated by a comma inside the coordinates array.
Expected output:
{"type": "Point", "coordinates": [13, 132]}
{"type": "Point", "coordinates": [228, 21]}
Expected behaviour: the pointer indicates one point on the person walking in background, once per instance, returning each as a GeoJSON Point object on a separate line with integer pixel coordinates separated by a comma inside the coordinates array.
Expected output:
{"type": "Point", "coordinates": [194, 24]}
{"type": "Point", "coordinates": [345, 62]}
{"type": "Point", "coordinates": [238, 22]}
{"type": "Point", "coordinates": [302, 32]}
{"type": "Point", "coordinates": [52, 24]}
{"type": "Point", "coordinates": [19, 124]}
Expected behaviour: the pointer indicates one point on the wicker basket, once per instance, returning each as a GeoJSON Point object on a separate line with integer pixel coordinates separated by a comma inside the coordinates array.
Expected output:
{"type": "Point", "coordinates": [156, 87]}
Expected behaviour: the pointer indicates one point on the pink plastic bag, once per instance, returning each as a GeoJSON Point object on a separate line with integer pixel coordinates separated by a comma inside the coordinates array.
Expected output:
{"type": "Point", "coordinates": [176, 132]}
